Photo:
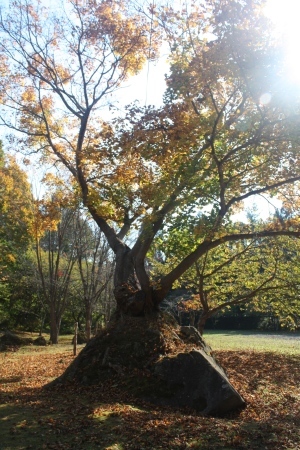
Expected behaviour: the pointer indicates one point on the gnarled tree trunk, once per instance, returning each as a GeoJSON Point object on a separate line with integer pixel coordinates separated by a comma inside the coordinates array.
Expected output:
{"type": "Point", "coordinates": [132, 299]}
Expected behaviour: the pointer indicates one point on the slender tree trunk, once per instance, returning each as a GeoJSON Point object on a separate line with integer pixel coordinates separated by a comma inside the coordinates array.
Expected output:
{"type": "Point", "coordinates": [54, 325]}
{"type": "Point", "coordinates": [43, 317]}
{"type": "Point", "coordinates": [88, 320]}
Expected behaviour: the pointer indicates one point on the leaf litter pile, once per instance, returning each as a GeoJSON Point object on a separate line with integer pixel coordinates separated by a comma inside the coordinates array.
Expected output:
{"type": "Point", "coordinates": [106, 417]}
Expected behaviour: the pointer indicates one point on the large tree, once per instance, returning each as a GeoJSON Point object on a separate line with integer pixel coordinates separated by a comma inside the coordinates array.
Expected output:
{"type": "Point", "coordinates": [225, 133]}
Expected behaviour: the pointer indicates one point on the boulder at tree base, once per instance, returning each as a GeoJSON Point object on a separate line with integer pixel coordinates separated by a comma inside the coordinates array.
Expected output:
{"type": "Point", "coordinates": [156, 360]}
{"type": "Point", "coordinates": [198, 382]}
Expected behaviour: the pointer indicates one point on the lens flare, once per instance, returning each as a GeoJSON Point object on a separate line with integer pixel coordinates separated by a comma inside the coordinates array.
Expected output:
{"type": "Point", "coordinates": [265, 98]}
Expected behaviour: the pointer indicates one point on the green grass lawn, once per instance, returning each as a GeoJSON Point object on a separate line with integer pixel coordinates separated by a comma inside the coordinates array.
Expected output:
{"type": "Point", "coordinates": [278, 342]}
{"type": "Point", "coordinates": [283, 343]}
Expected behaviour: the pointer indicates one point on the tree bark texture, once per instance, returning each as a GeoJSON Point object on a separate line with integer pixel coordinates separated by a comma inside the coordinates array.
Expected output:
{"type": "Point", "coordinates": [131, 298]}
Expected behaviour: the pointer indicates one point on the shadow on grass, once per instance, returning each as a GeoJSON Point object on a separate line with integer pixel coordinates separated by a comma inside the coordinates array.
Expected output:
{"type": "Point", "coordinates": [20, 428]}
{"type": "Point", "coordinates": [106, 417]}
{"type": "Point", "coordinates": [54, 424]}
{"type": "Point", "coordinates": [38, 419]}
{"type": "Point", "coordinates": [5, 380]}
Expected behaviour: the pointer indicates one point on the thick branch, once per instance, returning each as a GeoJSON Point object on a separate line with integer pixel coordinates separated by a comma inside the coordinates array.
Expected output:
{"type": "Point", "coordinates": [262, 190]}
{"type": "Point", "coordinates": [186, 263]}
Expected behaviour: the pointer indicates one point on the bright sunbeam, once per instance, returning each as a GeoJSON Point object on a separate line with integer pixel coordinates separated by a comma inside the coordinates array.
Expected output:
{"type": "Point", "coordinates": [285, 15]}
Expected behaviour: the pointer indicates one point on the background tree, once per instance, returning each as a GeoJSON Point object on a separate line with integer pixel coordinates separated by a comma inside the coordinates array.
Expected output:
{"type": "Point", "coordinates": [246, 272]}
{"type": "Point", "coordinates": [214, 143]}
{"type": "Point", "coordinates": [15, 212]}
{"type": "Point", "coordinates": [21, 307]}
{"type": "Point", "coordinates": [56, 255]}
{"type": "Point", "coordinates": [16, 232]}
{"type": "Point", "coordinates": [95, 265]}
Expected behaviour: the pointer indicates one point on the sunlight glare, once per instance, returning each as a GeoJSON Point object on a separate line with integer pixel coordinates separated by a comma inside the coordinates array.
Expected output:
{"type": "Point", "coordinates": [285, 16]}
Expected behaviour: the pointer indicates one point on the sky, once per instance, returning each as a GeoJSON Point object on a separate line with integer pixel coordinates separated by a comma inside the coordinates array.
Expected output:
{"type": "Point", "coordinates": [148, 87]}
{"type": "Point", "coordinates": [286, 14]}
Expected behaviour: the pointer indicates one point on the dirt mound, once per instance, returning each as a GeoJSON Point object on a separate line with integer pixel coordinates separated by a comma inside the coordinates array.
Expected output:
{"type": "Point", "coordinates": [142, 354]}
{"type": "Point", "coordinates": [129, 343]}
{"type": "Point", "coordinates": [12, 342]}
{"type": "Point", "coordinates": [40, 341]}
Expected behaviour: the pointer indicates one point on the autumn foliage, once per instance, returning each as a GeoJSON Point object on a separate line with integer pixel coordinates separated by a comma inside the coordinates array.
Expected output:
{"type": "Point", "coordinates": [15, 201]}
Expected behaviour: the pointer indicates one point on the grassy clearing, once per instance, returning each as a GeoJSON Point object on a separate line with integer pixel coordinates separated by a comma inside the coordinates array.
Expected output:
{"type": "Point", "coordinates": [104, 417]}
{"type": "Point", "coordinates": [64, 345]}
{"type": "Point", "coordinates": [284, 343]}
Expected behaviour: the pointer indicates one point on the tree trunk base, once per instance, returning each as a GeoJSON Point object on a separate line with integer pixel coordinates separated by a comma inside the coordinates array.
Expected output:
{"type": "Point", "coordinates": [157, 360]}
